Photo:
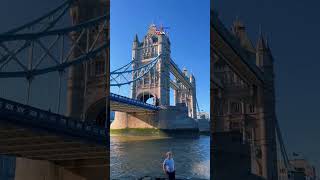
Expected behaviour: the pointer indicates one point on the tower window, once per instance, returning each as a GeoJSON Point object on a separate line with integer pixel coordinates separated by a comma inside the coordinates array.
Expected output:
{"type": "Point", "coordinates": [251, 108]}
{"type": "Point", "coordinates": [235, 107]}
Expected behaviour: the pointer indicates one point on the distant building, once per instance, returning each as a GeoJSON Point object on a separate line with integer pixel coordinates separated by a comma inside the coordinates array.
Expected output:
{"type": "Point", "coordinates": [203, 115]}
{"type": "Point", "coordinates": [305, 170]}
{"type": "Point", "coordinates": [203, 119]}
{"type": "Point", "coordinates": [302, 170]}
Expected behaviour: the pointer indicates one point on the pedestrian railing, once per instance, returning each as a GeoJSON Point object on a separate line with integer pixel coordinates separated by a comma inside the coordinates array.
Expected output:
{"type": "Point", "coordinates": [135, 102]}
{"type": "Point", "coordinates": [14, 112]}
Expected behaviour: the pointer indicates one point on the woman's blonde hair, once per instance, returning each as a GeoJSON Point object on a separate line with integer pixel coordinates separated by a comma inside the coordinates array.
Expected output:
{"type": "Point", "coordinates": [168, 153]}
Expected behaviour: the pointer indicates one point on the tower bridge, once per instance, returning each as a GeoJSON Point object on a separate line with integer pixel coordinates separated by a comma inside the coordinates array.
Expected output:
{"type": "Point", "coordinates": [47, 144]}
{"type": "Point", "coordinates": [246, 135]}
{"type": "Point", "coordinates": [129, 105]}
{"type": "Point", "coordinates": [148, 76]}
{"type": "Point", "coordinates": [243, 111]}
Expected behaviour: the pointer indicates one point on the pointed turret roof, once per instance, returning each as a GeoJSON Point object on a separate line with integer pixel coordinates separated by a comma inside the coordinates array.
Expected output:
{"type": "Point", "coordinates": [239, 30]}
{"type": "Point", "coordinates": [261, 44]}
{"type": "Point", "coordinates": [136, 38]}
{"type": "Point", "coordinates": [237, 24]}
{"type": "Point", "coordinates": [267, 44]}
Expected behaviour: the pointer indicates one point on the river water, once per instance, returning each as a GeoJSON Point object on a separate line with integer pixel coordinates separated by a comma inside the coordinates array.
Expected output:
{"type": "Point", "coordinates": [138, 156]}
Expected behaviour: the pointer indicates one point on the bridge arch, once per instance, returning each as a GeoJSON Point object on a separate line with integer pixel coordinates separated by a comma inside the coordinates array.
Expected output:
{"type": "Point", "coordinates": [97, 112]}
{"type": "Point", "coordinates": [147, 96]}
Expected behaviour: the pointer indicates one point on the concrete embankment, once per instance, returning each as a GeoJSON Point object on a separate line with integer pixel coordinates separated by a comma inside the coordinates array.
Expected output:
{"type": "Point", "coordinates": [157, 132]}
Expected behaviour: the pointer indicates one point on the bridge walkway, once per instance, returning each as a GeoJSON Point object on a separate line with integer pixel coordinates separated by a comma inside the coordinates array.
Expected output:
{"type": "Point", "coordinates": [36, 134]}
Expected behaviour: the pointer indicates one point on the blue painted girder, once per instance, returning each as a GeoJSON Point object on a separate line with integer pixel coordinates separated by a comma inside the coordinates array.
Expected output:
{"type": "Point", "coordinates": [132, 102]}
{"type": "Point", "coordinates": [41, 120]}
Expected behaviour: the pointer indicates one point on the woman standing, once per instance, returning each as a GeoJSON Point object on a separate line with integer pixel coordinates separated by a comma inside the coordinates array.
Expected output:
{"type": "Point", "coordinates": [168, 166]}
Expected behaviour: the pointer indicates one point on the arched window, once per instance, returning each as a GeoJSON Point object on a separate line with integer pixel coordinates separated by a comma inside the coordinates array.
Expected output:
{"type": "Point", "coordinates": [251, 108]}
{"type": "Point", "coordinates": [236, 107]}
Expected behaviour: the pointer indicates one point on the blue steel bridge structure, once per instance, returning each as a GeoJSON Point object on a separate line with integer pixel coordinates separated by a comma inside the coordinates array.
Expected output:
{"type": "Point", "coordinates": [44, 48]}
{"type": "Point", "coordinates": [124, 77]}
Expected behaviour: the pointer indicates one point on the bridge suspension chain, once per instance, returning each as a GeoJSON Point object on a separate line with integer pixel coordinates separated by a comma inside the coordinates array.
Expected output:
{"type": "Point", "coordinates": [283, 152]}
{"type": "Point", "coordinates": [125, 76]}
{"type": "Point", "coordinates": [39, 47]}
{"type": "Point", "coordinates": [45, 22]}
{"type": "Point", "coordinates": [32, 70]}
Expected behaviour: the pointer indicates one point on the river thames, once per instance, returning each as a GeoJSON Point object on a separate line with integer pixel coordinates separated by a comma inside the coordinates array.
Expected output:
{"type": "Point", "coordinates": [133, 157]}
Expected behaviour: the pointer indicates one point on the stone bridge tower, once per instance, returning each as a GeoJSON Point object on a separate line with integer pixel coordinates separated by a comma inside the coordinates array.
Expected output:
{"type": "Point", "coordinates": [155, 84]}
{"type": "Point", "coordinates": [243, 99]}
{"type": "Point", "coordinates": [266, 104]}
{"type": "Point", "coordinates": [86, 82]}
{"type": "Point", "coordinates": [185, 95]}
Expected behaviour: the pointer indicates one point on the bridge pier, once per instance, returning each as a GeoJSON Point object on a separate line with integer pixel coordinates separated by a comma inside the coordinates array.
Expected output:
{"type": "Point", "coordinates": [125, 120]}
{"type": "Point", "coordinates": [27, 169]}
{"type": "Point", "coordinates": [91, 172]}
{"type": "Point", "coordinates": [167, 118]}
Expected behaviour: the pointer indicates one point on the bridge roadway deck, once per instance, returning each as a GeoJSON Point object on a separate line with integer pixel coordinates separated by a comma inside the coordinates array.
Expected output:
{"type": "Point", "coordinates": [32, 133]}
{"type": "Point", "coordinates": [125, 104]}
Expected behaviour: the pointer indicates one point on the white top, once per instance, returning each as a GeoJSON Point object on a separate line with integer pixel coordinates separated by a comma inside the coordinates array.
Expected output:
{"type": "Point", "coordinates": [169, 164]}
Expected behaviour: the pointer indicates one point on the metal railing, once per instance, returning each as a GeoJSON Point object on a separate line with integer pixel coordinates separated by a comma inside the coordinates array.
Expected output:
{"type": "Point", "coordinates": [126, 100]}
{"type": "Point", "coordinates": [13, 111]}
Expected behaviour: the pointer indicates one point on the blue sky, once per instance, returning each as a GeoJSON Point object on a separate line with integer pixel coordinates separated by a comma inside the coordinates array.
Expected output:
{"type": "Point", "coordinates": [189, 35]}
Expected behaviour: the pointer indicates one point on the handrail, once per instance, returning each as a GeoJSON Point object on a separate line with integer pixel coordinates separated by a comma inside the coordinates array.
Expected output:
{"type": "Point", "coordinates": [8, 107]}
{"type": "Point", "coordinates": [120, 98]}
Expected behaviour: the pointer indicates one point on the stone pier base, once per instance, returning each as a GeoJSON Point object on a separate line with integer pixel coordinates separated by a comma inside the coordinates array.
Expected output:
{"type": "Point", "coordinates": [167, 118]}
{"type": "Point", "coordinates": [27, 169]}
{"type": "Point", "coordinates": [124, 120]}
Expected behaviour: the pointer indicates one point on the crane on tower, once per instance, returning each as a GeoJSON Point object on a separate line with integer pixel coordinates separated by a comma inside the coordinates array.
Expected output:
{"type": "Point", "coordinates": [161, 30]}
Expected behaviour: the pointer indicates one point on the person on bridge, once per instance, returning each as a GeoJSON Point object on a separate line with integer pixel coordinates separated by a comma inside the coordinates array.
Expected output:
{"type": "Point", "coordinates": [168, 166]}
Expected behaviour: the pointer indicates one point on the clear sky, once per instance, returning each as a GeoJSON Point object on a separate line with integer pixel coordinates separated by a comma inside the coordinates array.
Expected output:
{"type": "Point", "coordinates": [189, 35]}
{"type": "Point", "coordinates": [293, 30]}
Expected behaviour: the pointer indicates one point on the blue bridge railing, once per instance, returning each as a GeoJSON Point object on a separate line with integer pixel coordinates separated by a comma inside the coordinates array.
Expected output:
{"type": "Point", "coordinates": [13, 112]}
{"type": "Point", "coordinates": [135, 102]}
